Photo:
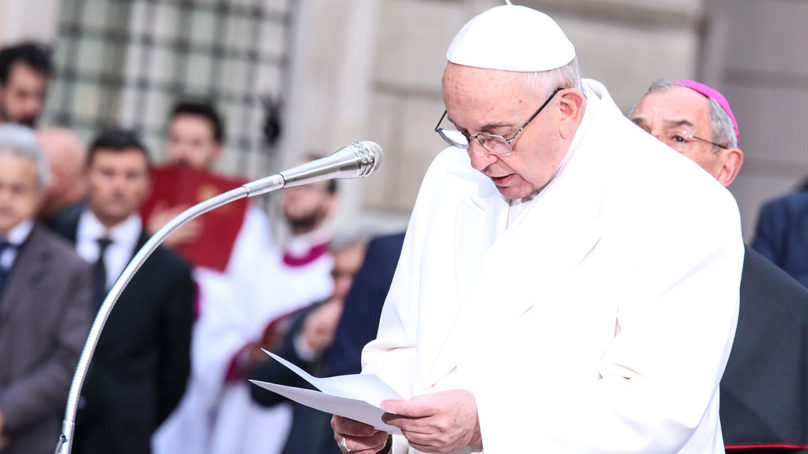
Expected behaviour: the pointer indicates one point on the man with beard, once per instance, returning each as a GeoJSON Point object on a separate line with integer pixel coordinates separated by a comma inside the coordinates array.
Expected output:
{"type": "Point", "coordinates": [289, 281]}
{"type": "Point", "coordinates": [24, 72]}
{"type": "Point", "coordinates": [142, 360]}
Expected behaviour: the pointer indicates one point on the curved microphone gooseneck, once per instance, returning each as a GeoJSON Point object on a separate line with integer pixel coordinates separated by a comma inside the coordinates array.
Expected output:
{"type": "Point", "coordinates": [357, 160]}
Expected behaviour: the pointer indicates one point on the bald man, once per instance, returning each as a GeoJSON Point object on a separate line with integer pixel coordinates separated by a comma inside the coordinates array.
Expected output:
{"type": "Point", "coordinates": [763, 391]}
{"type": "Point", "coordinates": [67, 189]}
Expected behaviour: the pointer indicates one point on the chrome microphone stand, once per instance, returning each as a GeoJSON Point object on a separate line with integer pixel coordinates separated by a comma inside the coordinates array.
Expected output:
{"type": "Point", "coordinates": [262, 186]}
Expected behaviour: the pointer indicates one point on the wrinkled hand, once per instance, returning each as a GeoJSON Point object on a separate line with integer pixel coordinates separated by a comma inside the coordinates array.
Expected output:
{"type": "Point", "coordinates": [321, 325]}
{"type": "Point", "coordinates": [360, 438]}
{"type": "Point", "coordinates": [162, 214]}
{"type": "Point", "coordinates": [442, 422]}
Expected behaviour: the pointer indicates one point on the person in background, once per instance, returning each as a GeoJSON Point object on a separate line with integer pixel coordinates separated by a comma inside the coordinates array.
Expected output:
{"type": "Point", "coordinates": [25, 70]}
{"type": "Point", "coordinates": [781, 234]}
{"type": "Point", "coordinates": [45, 298]}
{"type": "Point", "coordinates": [225, 246]}
{"type": "Point", "coordinates": [66, 194]}
{"type": "Point", "coordinates": [357, 326]}
{"type": "Point", "coordinates": [311, 333]}
{"type": "Point", "coordinates": [196, 135]}
{"type": "Point", "coordinates": [363, 305]}
{"type": "Point", "coordinates": [142, 361]}
{"type": "Point", "coordinates": [288, 282]}
{"type": "Point", "coordinates": [763, 389]}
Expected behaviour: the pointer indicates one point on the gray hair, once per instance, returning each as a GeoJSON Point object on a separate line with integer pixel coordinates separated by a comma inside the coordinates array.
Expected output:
{"type": "Point", "coordinates": [567, 76]}
{"type": "Point", "coordinates": [349, 237]}
{"type": "Point", "coordinates": [720, 122]}
{"type": "Point", "coordinates": [20, 140]}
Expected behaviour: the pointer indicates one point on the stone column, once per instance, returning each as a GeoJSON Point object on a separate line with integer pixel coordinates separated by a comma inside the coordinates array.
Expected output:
{"type": "Point", "coordinates": [755, 53]}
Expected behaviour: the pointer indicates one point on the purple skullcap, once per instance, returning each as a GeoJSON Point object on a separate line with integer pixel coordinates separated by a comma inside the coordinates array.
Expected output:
{"type": "Point", "coordinates": [715, 95]}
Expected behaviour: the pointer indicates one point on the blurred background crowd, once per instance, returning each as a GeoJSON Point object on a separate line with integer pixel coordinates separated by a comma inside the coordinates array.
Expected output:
{"type": "Point", "coordinates": [117, 115]}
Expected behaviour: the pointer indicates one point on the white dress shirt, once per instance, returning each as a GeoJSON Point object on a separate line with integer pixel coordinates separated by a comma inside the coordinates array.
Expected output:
{"type": "Point", "coordinates": [124, 238]}
{"type": "Point", "coordinates": [15, 237]}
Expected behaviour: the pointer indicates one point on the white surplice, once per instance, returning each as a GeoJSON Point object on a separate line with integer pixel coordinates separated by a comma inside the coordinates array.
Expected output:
{"type": "Point", "coordinates": [241, 426]}
{"type": "Point", "coordinates": [599, 321]}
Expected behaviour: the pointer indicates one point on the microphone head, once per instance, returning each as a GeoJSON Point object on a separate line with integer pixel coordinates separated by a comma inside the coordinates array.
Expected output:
{"type": "Point", "coordinates": [371, 157]}
{"type": "Point", "coordinates": [356, 160]}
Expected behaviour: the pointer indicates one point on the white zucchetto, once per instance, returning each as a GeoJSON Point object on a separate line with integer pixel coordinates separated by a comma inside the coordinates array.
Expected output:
{"type": "Point", "coordinates": [511, 38]}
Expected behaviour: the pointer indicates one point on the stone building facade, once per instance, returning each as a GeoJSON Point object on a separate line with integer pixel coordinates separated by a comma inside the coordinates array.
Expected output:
{"type": "Point", "coordinates": [370, 70]}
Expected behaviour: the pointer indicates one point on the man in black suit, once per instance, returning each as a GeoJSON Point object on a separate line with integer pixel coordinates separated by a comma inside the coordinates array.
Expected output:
{"type": "Point", "coordinates": [142, 361]}
{"type": "Point", "coordinates": [764, 391]}
{"type": "Point", "coordinates": [45, 292]}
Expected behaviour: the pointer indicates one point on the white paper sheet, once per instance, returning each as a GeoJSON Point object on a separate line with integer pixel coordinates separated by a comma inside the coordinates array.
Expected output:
{"type": "Point", "coordinates": [357, 397]}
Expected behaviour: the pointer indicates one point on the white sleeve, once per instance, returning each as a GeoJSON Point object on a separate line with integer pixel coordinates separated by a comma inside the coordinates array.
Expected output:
{"type": "Point", "coordinates": [392, 354]}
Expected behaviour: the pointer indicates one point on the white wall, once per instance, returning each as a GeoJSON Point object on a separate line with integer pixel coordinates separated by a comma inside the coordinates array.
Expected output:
{"type": "Point", "coordinates": [28, 20]}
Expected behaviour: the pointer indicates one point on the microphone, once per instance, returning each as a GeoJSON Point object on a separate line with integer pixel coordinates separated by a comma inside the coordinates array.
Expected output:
{"type": "Point", "coordinates": [357, 160]}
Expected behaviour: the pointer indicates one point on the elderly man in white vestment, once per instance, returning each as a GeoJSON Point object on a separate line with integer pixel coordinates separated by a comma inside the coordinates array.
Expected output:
{"type": "Point", "coordinates": [568, 284]}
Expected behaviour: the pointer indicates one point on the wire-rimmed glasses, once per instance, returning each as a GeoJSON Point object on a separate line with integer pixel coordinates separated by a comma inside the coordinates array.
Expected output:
{"type": "Point", "coordinates": [683, 139]}
{"type": "Point", "coordinates": [493, 143]}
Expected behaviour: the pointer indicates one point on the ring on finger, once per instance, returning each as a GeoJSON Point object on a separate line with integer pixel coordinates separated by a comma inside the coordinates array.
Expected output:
{"type": "Point", "coordinates": [343, 445]}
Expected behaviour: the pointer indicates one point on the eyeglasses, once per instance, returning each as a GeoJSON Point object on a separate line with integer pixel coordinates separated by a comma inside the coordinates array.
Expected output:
{"type": "Point", "coordinates": [495, 144]}
{"type": "Point", "coordinates": [683, 139]}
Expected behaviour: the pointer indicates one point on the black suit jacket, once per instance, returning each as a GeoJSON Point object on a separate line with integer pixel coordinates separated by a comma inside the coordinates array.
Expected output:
{"type": "Point", "coordinates": [363, 305]}
{"type": "Point", "coordinates": [782, 234]}
{"type": "Point", "coordinates": [764, 391]}
{"type": "Point", "coordinates": [142, 361]}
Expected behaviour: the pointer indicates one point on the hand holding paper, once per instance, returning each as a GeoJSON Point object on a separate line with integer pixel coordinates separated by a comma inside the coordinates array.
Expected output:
{"type": "Point", "coordinates": [440, 422]}
{"type": "Point", "coordinates": [356, 437]}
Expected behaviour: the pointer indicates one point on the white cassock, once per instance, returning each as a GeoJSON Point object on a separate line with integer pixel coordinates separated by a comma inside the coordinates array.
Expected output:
{"type": "Point", "coordinates": [599, 321]}
{"type": "Point", "coordinates": [241, 426]}
{"type": "Point", "coordinates": [189, 427]}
